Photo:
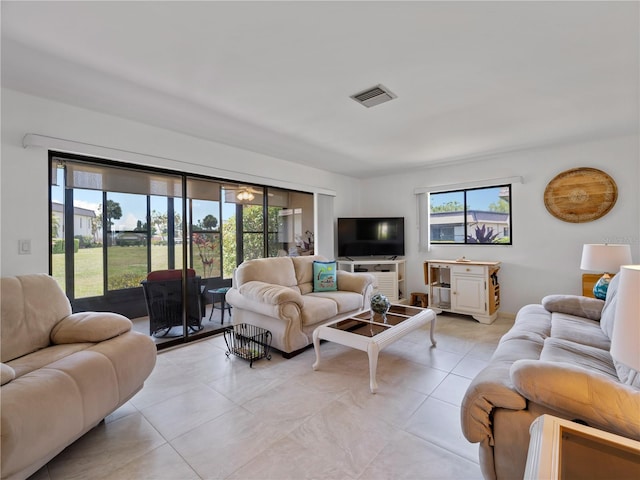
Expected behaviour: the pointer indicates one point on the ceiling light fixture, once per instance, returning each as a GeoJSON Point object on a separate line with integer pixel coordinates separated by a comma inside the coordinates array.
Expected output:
{"type": "Point", "coordinates": [245, 196]}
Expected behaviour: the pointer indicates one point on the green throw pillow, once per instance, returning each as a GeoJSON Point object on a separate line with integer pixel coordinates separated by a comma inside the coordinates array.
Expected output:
{"type": "Point", "coordinates": [325, 278]}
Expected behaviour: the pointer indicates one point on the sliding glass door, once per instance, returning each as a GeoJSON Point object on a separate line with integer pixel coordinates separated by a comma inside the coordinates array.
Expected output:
{"type": "Point", "coordinates": [114, 227]}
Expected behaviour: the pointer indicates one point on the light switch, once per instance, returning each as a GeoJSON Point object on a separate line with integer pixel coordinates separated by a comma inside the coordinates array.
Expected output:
{"type": "Point", "coordinates": [24, 247]}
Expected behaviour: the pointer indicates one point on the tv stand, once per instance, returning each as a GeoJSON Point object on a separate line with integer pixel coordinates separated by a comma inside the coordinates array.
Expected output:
{"type": "Point", "coordinates": [389, 273]}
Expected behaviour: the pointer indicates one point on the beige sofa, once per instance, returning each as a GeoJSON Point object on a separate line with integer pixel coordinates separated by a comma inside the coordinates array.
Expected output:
{"type": "Point", "coordinates": [555, 360]}
{"type": "Point", "coordinates": [62, 373]}
{"type": "Point", "coordinates": [277, 294]}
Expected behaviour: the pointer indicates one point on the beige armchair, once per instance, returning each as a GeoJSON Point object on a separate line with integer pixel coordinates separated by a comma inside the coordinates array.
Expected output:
{"type": "Point", "coordinates": [62, 372]}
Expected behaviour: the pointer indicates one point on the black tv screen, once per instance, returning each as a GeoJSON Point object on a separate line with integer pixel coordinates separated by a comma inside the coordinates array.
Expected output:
{"type": "Point", "coordinates": [369, 236]}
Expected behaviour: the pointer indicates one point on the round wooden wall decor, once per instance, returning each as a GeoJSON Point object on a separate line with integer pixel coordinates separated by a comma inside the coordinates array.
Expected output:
{"type": "Point", "coordinates": [580, 195]}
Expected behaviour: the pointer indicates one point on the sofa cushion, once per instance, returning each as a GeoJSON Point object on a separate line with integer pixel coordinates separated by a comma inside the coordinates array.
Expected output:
{"type": "Point", "coordinates": [89, 327]}
{"type": "Point", "coordinates": [513, 349]}
{"type": "Point", "coordinates": [533, 323]}
{"type": "Point", "coordinates": [325, 277]}
{"type": "Point", "coordinates": [609, 310]}
{"type": "Point", "coordinates": [276, 270]}
{"type": "Point", "coordinates": [345, 301]}
{"type": "Point", "coordinates": [317, 309]}
{"type": "Point", "coordinates": [37, 304]}
{"type": "Point", "coordinates": [303, 268]}
{"type": "Point", "coordinates": [356, 282]}
{"type": "Point", "coordinates": [42, 358]}
{"type": "Point", "coordinates": [305, 288]}
{"type": "Point", "coordinates": [579, 330]}
{"type": "Point", "coordinates": [586, 307]}
{"type": "Point", "coordinates": [591, 358]}
{"type": "Point", "coordinates": [30, 428]}
{"type": "Point", "coordinates": [6, 373]}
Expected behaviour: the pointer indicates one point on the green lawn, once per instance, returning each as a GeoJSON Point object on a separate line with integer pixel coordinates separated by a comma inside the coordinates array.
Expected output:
{"type": "Point", "coordinates": [127, 267]}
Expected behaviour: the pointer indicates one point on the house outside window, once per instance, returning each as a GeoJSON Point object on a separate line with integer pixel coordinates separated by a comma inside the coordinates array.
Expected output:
{"type": "Point", "coordinates": [471, 216]}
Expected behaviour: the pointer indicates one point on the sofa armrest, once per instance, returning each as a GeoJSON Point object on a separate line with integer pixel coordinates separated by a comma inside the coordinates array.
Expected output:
{"type": "Point", "coordinates": [266, 293]}
{"type": "Point", "coordinates": [490, 389]}
{"type": "Point", "coordinates": [581, 394]}
{"type": "Point", "coordinates": [354, 282]}
{"type": "Point", "coordinates": [586, 307]}
{"type": "Point", "coordinates": [6, 373]}
{"type": "Point", "coordinates": [89, 327]}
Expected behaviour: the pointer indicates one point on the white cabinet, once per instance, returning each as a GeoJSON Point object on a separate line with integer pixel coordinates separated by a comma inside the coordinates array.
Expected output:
{"type": "Point", "coordinates": [469, 288]}
{"type": "Point", "coordinates": [390, 275]}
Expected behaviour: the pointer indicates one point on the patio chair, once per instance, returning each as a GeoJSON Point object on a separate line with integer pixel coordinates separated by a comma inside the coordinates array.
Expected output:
{"type": "Point", "coordinates": [163, 296]}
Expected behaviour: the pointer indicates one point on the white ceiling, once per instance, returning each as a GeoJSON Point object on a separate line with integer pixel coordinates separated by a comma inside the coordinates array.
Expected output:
{"type": "Point", "coordinates": [472, 78]}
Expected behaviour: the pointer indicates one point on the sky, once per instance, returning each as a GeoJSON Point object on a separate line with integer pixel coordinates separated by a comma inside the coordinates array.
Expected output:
{"type": "Point", "coordinates": [476, 199]}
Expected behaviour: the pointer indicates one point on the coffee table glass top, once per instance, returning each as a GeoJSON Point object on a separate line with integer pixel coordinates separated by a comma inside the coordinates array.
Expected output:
{"type": "Point", "coordinates": [364, 325]}
{"type": "Point", "coordinates": [405, 310]}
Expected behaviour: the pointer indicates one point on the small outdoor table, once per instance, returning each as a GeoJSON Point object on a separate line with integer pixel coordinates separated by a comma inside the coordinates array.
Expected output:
{"type": "Point", "coordinates": [219, 295]}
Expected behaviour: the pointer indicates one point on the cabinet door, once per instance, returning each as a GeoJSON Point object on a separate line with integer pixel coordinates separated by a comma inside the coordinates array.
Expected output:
{"type": "Point", "coordinates": [468, 294]}
{"type": "Point", "coordinates": [387, 284]}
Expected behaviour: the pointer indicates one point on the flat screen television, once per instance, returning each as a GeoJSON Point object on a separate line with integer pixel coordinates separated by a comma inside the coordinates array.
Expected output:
{"type": "Point", "coordinates": [370, 236]}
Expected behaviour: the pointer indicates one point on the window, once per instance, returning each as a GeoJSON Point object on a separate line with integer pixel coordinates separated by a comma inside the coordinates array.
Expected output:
{"type": "Point", "coordinates": [206, 239]}
{"type": "Point", "coordinates": [471, 216]}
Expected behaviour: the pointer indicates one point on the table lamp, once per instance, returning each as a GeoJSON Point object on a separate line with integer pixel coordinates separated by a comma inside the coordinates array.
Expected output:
{"type": "Point", "coordinates": [625, 340]}
{"type": "Point", "coordinates": [604, 258]}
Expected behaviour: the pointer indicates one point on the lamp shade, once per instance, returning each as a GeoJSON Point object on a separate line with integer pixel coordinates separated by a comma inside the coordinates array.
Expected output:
{"type": "Point", "coordinates": [605, 258]}
{"type": "Point", "coordinates": [625, 340]}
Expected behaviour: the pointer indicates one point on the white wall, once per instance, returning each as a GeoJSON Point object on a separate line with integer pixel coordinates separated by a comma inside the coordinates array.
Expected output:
{"type": "Point", "coordinates": [543, 259]}
{"type": "Point", "coordinates": [23, 172]}
{"type": "Point", "coordinates": [545, 255]}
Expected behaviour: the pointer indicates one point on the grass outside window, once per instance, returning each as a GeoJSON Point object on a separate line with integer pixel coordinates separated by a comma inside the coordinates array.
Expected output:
{"type": "Point", "coordinates": [125, 270]}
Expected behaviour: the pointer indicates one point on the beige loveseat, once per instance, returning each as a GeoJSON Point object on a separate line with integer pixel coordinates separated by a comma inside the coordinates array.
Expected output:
{"type": "Point", "coordinates": [555, 360]}
{"type": "Point", "coordinates": [62, 373]}
{"type": "Point", "coordinates": [277, 294]}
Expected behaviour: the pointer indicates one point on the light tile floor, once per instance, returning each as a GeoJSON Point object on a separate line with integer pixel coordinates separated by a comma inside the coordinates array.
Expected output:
{"type": "Point", "coordinates": [202, 415]}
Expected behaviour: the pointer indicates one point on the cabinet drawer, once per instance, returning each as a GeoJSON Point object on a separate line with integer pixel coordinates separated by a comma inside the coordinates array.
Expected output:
{"type": "Point", "coordinates": [467, 270]}
{"type": "Point", "coordinates": [439, 265]}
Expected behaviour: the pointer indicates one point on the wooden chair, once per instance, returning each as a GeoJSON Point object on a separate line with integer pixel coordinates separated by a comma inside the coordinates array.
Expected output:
{"type": "Point", "coordinates": [163, 296]}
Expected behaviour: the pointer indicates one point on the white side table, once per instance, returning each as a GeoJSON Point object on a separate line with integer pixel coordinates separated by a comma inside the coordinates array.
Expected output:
{"type": "Point", "coordinates": [562, 449]}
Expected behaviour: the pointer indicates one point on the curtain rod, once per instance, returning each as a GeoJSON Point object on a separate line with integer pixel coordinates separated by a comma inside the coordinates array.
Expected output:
{"type": "Point", "coordinates": [476, 183]}
{"type": "Point", "coordinates": [93, 150]}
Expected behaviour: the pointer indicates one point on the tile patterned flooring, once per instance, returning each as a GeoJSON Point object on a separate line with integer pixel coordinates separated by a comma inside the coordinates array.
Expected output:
{"type": "Point", "coordinates": [202, 415]}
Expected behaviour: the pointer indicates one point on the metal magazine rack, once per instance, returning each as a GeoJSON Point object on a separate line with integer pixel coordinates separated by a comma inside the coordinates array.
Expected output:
{"type": "Point", "coordinates": [248, 342]}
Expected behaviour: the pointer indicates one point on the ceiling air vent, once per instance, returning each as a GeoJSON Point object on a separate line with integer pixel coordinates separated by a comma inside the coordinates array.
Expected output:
{"type": "Point", "coordinates": [374, 96]}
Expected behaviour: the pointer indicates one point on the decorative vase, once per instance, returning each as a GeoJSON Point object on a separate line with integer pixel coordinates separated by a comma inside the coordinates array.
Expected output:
{"type": "Point", "coordinates": [601, 287]}
{"type": "Point", "coordinates": [380, 304]}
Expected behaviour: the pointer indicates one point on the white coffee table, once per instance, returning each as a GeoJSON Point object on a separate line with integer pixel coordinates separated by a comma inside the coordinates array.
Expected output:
{"type": "Point", "coordinates": [373, 335]}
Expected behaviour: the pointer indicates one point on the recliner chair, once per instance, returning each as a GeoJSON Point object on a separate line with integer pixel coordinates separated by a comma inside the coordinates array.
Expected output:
{"type": "Point", "coordinates": [163, 295]}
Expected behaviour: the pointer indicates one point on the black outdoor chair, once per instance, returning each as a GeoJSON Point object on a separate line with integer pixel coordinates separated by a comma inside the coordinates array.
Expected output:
{"type": "Point", "coordinates": [163, 295]}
